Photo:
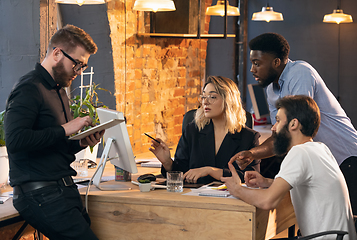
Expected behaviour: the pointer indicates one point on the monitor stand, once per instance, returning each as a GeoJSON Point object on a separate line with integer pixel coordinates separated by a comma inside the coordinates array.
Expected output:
{"type": "Point", "coordinates": [97, 177]}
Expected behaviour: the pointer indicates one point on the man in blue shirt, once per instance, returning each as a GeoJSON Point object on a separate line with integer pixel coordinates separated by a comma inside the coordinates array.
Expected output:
{"type": "Point", "coordinates": [272, 68]}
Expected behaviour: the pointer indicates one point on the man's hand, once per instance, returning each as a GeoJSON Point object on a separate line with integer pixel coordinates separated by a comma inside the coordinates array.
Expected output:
{"type": "Point", "coordinates": [192, 175]}
{"type": "Point", "coordinates": [76, 124]}
{"type": "Point", "coordinates": [233, 183]}
{"type": "Point", "coordinates": [255, 180]}
{"type": "Point", "coordinates": [92, 139]}
{"type": "Point", "coordinates": [243, 159]}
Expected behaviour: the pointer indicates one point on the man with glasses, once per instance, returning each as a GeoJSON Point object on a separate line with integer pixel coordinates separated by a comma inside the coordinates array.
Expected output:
{"type": "Point", "coordinates": [38, 122]}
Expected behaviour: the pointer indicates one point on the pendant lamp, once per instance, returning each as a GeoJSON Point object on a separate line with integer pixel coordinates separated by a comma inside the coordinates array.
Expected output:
{"type": "Point", "coordinates": [338, 17]}
{"type": "Point", "coordinates": [154, 5]}
{"type": "Point", "coordinates": [267, 14]}
{"type": "Point", "coordinates": [80, 2]}
{"type": "Point", "coordinates": [218, 10]}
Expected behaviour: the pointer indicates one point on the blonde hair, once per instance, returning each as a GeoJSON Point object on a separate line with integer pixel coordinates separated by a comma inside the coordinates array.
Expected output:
{"type": "Point", "coordinates": [232, 105]}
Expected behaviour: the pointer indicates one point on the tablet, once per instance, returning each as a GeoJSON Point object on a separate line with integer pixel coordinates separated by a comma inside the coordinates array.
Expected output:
{"type": "Point", "coordinates": [98, 128]}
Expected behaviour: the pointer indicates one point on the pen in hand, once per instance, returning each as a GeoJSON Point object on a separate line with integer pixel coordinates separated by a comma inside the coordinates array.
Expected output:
{"type": "Point", "coordinates": [152, 138]}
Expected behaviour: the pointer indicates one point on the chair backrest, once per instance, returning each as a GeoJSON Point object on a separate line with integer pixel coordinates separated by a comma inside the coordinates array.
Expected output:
{"type": "Point", "coordinates": [190, 116]}
{"type": "Point", "coordinates": [339, 234]}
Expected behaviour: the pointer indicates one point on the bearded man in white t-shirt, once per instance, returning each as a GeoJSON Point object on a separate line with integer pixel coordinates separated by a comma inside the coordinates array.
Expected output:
{"type": "Point", "coordinates": [309, 171]}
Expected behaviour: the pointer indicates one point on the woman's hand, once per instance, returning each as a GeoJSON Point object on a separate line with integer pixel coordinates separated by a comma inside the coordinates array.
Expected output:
{"type": "Point", "coordinates": [192, 175]}
{"type": "Point", "coordinates": [162, 152]}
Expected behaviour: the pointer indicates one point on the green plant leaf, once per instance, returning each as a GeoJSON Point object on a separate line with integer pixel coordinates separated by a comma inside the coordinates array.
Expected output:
{"type": "Point", "coordinates": [144, 181]}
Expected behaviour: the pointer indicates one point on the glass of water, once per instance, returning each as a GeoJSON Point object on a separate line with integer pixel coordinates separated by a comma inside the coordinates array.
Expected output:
{"type": "Point", "coordinates": [81, 167]}
{"type": "Point", "coordinates": [174, 181]}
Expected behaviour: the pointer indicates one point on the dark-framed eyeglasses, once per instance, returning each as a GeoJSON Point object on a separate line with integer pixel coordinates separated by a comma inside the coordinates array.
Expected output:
{"type": "Point", "coordinates": [210, 98]}
{"type": "Point", "coordinates": [78, 66]}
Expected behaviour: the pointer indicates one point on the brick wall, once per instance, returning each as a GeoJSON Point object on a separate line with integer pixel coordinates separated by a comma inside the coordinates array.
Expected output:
{"type": "Point", "coordinates": [156, 79]}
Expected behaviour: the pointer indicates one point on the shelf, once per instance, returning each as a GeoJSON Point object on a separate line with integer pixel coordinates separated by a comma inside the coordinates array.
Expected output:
{"type": "Point", "coordinates": [176, 35]}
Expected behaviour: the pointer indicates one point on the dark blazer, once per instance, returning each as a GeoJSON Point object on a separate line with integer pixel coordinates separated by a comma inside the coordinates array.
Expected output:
{"type": "Point", "coordinates": [197, 149]}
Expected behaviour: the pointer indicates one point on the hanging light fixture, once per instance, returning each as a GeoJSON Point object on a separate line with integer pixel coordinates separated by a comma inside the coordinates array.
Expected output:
{"type": "Point", "coordinates": [218, 10]}
{"type": "Point", "coordinates": [267, 14]}
{"type": "Point", "coordinates": [80, 2]}
{"type": "Point", "coordinates": [337, 16]}
{"type": "Point", "coordinates": [154, 5]}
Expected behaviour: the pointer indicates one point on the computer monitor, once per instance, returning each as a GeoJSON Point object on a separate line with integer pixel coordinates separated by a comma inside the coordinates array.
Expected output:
{"type": "Point", "coordinates": [117, 148]}
{"type": "Point", "coordinates": [4, 166]}
{"type": "Point", "coordinates": [259, 101]}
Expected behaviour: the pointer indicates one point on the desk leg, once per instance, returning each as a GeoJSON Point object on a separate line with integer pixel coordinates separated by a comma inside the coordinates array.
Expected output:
{"type": "Point", "coordinates": [291, 231]}
{"type": "Point", "coordinates": [39, 235]}
{"type": "Point", "coordinates": [21, 230]}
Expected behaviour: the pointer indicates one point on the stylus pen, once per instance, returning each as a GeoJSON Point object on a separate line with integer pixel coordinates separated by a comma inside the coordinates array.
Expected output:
{"type": "Point", "coordinates": [152, 138]}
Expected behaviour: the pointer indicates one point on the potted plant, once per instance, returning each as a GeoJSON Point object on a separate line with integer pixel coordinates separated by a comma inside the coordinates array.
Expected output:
{"type": "Point", "coordinates": [88, 104]}
{"type": "Point", "coordinates": [144, 185]}
{"type": "Point", "coordinates": [87, 107]}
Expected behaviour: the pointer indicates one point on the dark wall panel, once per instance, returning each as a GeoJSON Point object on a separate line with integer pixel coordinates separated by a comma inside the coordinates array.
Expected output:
{"type": "Point", "coordinates": [19, 42]}
{"type": "Point", "coordinates": [93, 19]}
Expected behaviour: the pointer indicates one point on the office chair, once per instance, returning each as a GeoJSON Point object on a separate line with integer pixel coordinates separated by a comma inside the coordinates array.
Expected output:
{"type": "Point", "coordinates": [340, 235]}
{"type": "Point", "coordinates": [190, 116]}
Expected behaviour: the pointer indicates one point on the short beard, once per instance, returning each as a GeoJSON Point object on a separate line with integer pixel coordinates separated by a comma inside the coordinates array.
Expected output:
{"type": "Point", "coordinates": [282, 141]}
{"type": "Point", "coordinates": [272, 76]}
{"type": "Point", "coordinates": [60, 76]}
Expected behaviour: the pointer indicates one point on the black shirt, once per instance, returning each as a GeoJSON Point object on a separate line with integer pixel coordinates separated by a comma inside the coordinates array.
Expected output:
{"type": "Point", "coordinates": [37, 147]}
{"type": "Point", "coordinates": [196, 149]}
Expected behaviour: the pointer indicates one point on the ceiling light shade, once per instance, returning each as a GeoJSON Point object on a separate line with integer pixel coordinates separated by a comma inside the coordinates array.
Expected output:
{"type": "Point", "coordinates": [218, 10]}
{"type": "Point", "coordinates": [267, 14]}
{"type": "Point", "coordinates": [80, 2]}
{"type": "Point", "coordinates": [338, 17]}
{"type": "Point", "coordinates": [154, 5]}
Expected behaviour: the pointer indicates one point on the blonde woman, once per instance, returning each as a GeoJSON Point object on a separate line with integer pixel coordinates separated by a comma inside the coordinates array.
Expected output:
{"type": "Point", "coordinates": [217, 134]}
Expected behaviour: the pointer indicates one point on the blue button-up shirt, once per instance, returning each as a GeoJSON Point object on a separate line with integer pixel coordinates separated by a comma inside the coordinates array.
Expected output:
{"type": "Point", "coordinates": [336, 129]}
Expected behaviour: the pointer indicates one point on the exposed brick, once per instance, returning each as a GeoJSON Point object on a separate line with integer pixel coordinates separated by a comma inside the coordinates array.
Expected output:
{"type": "Point", "coordinates": [178, 120]}
{"type": "Point", "coordinates": [151, 63]}
{"type": "Point", "coordinates": [179, 92]}
{"type": "Point", "coordinates": [156, 79]}
{"type": "Point", "coordinates": [177, 130]}
{"type": "Point", "coordinates": [138, 74]}
{"type": "Point", "coordinates": [139, 63]}
{"type": "Point", "coordinates": [179, 110]}
{"type": "Point", "coordinates": [182, 72]}
{"type": "Point", "coordinates": [145, 97]}
{"type": "Point", "coordinates": [131, 86]}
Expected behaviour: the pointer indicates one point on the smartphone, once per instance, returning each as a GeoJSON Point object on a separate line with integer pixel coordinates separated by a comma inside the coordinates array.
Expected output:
{"type": "Point", "coordinates": [152, 138]}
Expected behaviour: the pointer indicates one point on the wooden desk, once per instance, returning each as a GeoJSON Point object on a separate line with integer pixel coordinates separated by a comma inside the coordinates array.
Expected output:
{"type": "Point", "coordinates": [159, 214]}
{"type": "Point", "coordinates": [8, 214]}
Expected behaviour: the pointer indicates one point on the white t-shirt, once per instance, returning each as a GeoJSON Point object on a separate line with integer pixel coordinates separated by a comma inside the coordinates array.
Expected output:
{"type": "Point", "coordinates": [319, 193]}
